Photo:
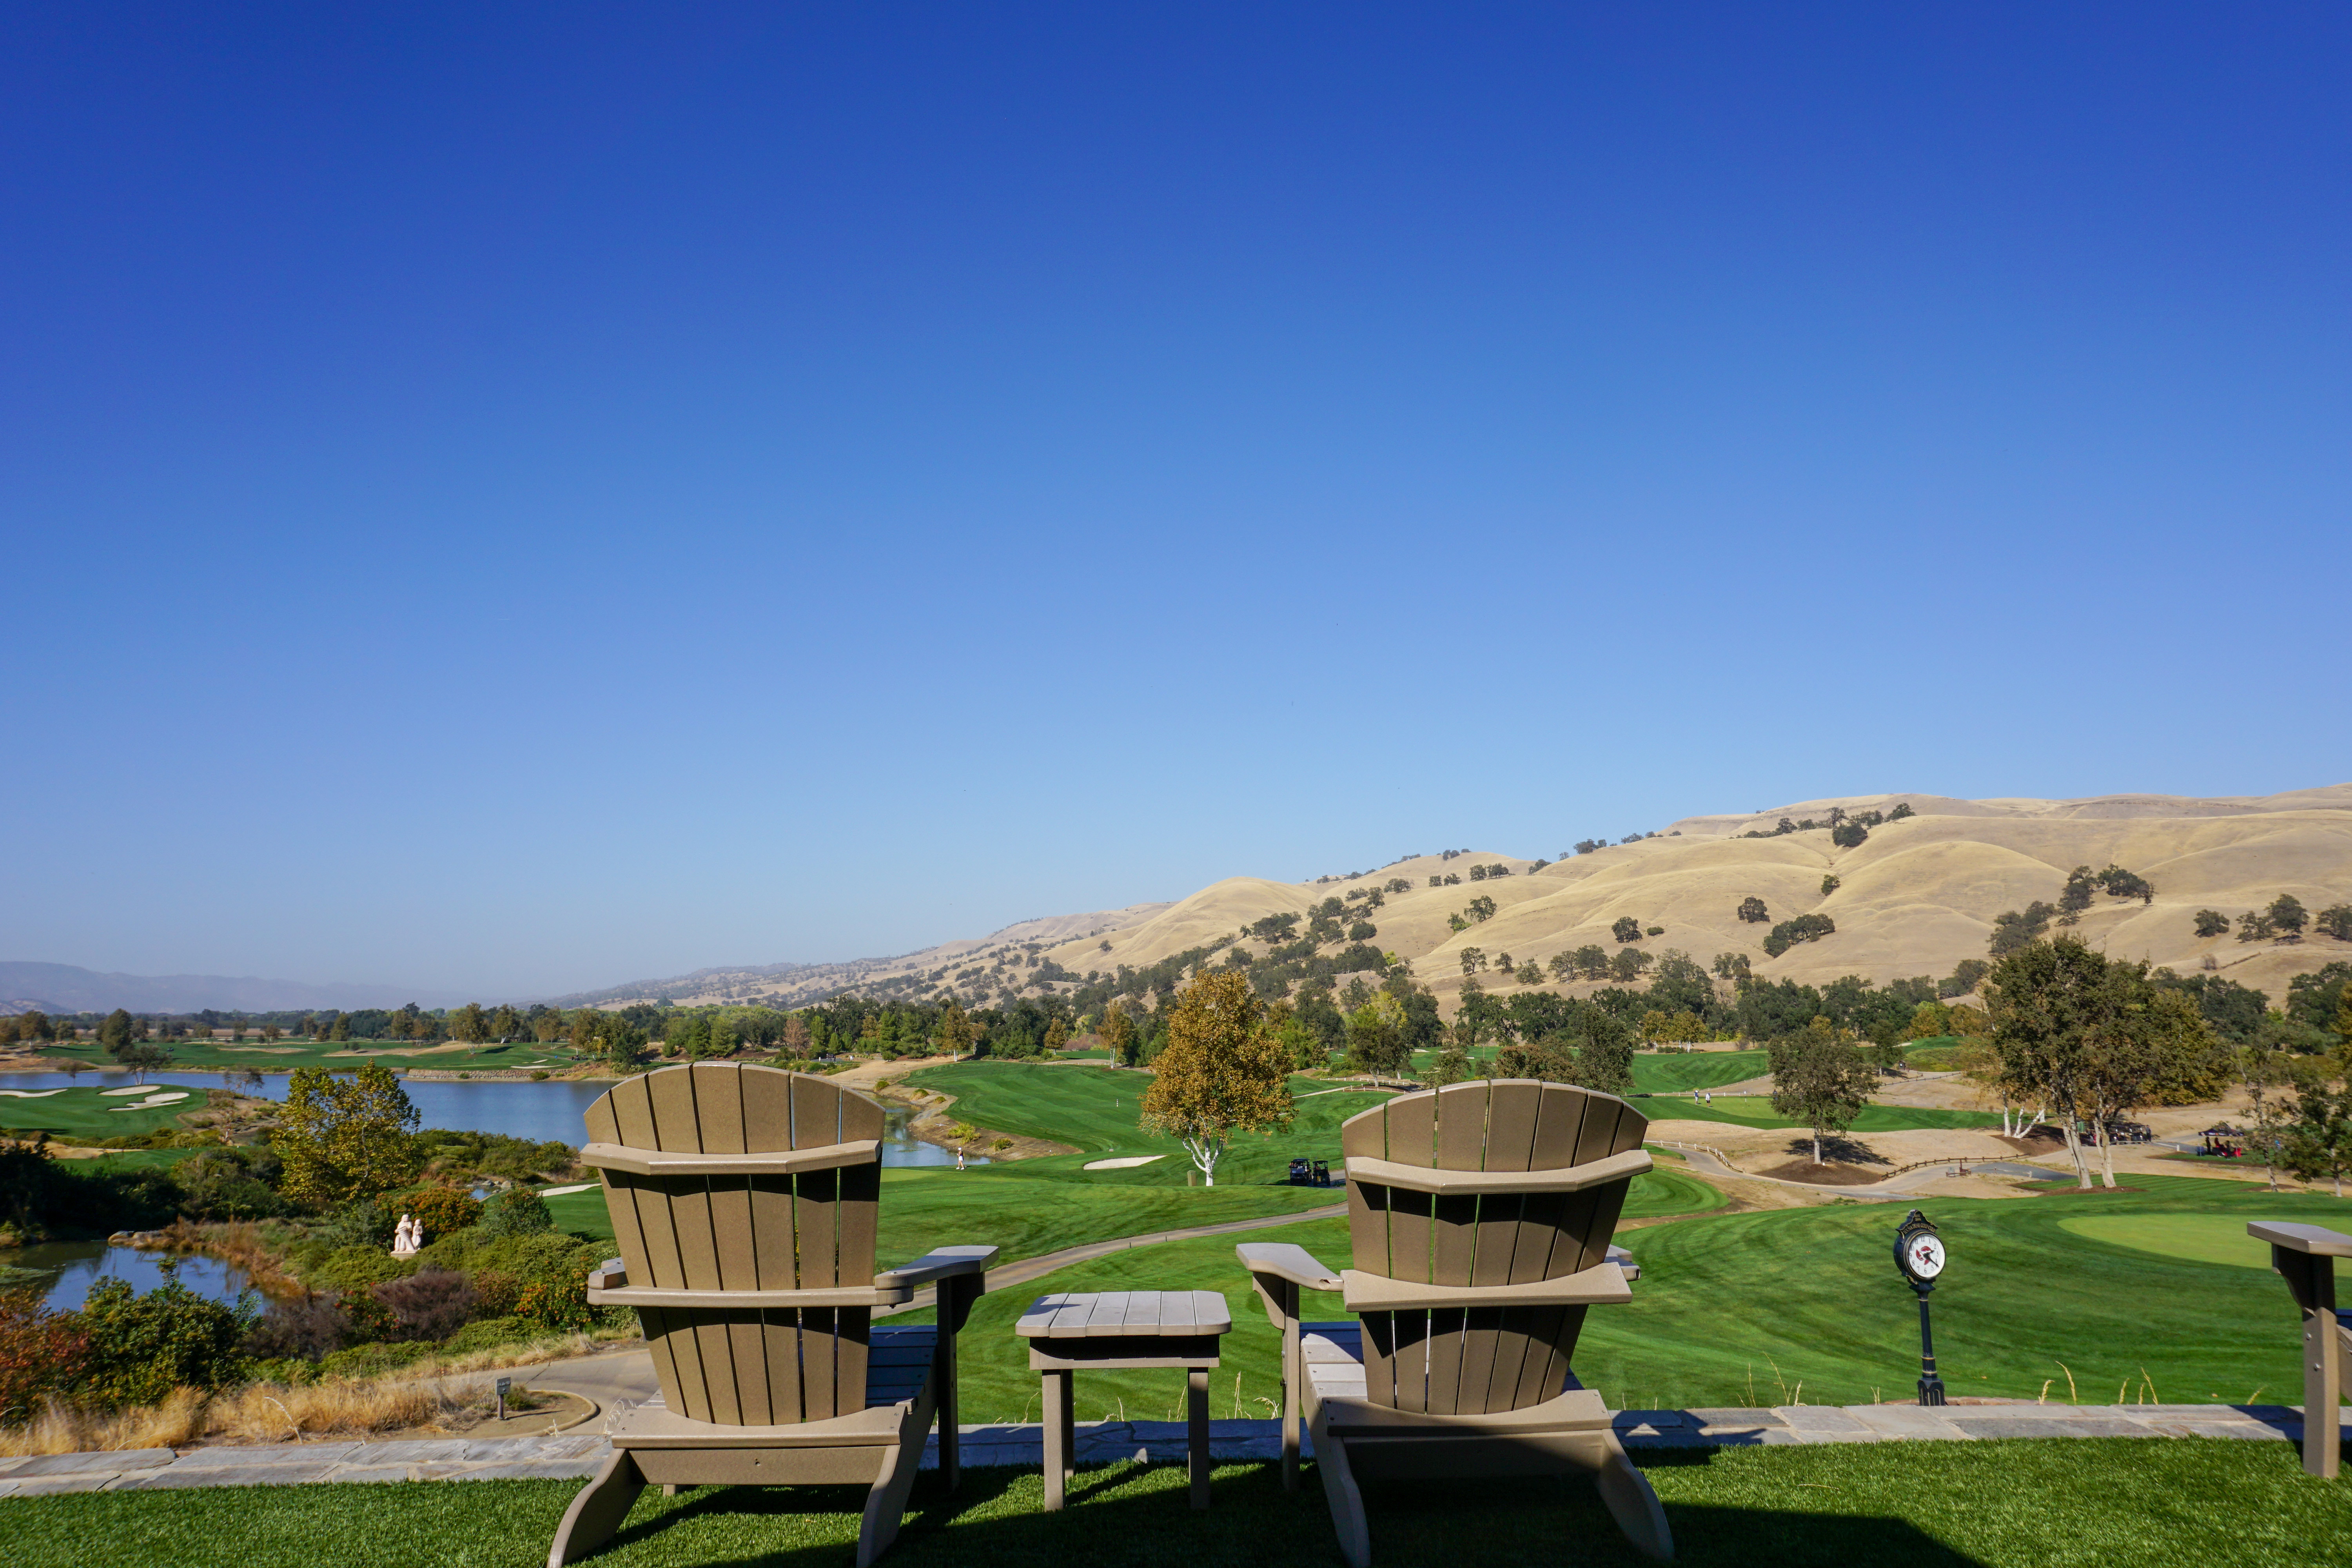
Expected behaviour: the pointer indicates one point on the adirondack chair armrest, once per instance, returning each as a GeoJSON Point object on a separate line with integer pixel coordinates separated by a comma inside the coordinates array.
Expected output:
{"type": "Point", "coordinates": [610, 1275]}
{"type": "Point", "coordinates": [1272, 1264]}
{"type": "Point", "coordinates": [2316, 1239]}
{"type": "Point", "coordinates": [773, 1163]}
{"type": "Point", "coordinates": [939, 1263]}
{"type": "Point", "coordinates": [1287, 1261]}
{"type": "Point", "coordinates": [1602, 1285]}
{"type": "Point", "coordinates": [1471, 1183]}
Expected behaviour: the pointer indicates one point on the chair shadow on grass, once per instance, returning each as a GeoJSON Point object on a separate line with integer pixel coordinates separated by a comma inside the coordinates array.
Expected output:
{"type": "Point", "coordinates": [1127, 1514]}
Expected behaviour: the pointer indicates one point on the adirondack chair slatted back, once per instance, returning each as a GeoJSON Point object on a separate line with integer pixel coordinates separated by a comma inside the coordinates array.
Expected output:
{"type": "Point", "coordinates": [742, 1367]}
{"type": "Point", "coordinates": [1469, 1362]}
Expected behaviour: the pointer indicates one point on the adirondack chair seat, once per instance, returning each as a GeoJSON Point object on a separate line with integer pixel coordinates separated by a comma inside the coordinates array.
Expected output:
{"type": "Point", "coordinates": [609, 1287]}
{"type": "Point", "coordinates": [1479, 1221]}
{"type": "Point", "coordinates": [742, 1201]}
{"type": "Point", "coordinates": [1603, 1284]}
{"type": "Point", "coordinates": [775, 1162]}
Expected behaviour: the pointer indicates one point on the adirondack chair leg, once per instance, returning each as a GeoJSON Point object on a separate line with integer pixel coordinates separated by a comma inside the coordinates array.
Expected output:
{"type": "Point", "coordinates": [1292, 1381]}
{"type": "Point", "coordinates": [1631, 1501]}
{"type": "Point", "coordinates": [598, 1510]}
{"type": "Point", "coordinates": [1347, 1500]}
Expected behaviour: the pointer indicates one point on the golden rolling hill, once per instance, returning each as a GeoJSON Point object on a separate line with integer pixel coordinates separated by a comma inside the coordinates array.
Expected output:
{"type": "Point", "coordinates": [1916, 897]}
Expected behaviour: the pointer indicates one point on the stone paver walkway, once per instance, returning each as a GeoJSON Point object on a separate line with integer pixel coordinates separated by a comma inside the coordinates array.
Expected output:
{"type": "Point", "coordinates": [577, 1455]}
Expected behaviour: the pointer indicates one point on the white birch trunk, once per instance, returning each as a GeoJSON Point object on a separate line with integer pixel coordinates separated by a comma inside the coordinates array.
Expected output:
{"type": "Point", "coordinates": [1205, 1155]}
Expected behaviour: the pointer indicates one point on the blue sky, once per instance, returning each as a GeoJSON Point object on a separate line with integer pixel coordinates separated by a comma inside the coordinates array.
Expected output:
{"type": "Point", "coordinates": [516, 498]}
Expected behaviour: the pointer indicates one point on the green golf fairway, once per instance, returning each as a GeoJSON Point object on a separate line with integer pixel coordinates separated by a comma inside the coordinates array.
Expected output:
{"type": "Point", "coordinates": [2200, 1237]}
{"type": "Point", "coordinates": [1681, 1072]}
{"type": "Point", "coordinates": [84, 1113]}
{"type": "Point", "coordinates": [1768, 1307]}
{"type": "Point", "coordinates": [2052, 1503]}
{"type": "Point", "coordinates": [1096, 1110]}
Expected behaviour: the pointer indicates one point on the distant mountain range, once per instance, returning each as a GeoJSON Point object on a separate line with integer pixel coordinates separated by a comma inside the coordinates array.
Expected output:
{"type": "Point", "coordinates": [64, 988]}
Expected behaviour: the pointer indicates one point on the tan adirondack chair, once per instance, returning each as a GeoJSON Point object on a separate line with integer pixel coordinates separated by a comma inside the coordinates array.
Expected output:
{"type": "Point", "coordinates": [1479, 1217]}
{"type": "Point", "coordinates": [744, 1202]}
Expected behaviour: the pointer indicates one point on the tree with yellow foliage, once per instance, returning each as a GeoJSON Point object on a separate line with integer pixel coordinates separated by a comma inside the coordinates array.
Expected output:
{"type": "Point", "coordinates": [1222, 1071]}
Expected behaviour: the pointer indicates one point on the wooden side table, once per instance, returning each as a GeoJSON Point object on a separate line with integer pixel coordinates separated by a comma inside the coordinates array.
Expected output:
{"type": "Point", "coordinates": [1124, 1330]}
{"type": "Point", "coordinates": [2305, 1255]}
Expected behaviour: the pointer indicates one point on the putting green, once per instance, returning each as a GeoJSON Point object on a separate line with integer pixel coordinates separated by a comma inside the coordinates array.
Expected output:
{"type": "Point", "coordinates": [2198, 1237]}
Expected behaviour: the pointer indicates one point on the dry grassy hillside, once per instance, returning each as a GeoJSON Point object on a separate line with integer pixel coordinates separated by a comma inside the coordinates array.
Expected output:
{"type": "Point", "coordinates": [1916, 897]}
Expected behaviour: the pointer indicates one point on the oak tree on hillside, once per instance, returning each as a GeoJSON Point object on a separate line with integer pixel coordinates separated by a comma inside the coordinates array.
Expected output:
{"type": "Point", "coordinates": [1626, 929]}
{"type": "Point", "coordinates": [1752, 911]}
{"type": "Point", "coordinates": [1221, 1072]}
{"type": "Point", "coordinates": [2287, 914]}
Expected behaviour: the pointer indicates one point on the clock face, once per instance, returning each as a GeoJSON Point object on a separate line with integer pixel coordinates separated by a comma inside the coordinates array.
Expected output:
{"type": "Point", "coordinates": [1924, 1254]}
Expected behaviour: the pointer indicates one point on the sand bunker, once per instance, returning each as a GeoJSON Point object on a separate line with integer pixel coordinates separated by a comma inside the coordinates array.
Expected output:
{"type": "Point", "coordinates": [30, 1093]}
{"type": "Point", "coordinates": [1123, 1164]}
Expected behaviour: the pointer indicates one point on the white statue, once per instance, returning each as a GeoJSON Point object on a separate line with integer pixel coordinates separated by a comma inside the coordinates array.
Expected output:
{"type": "Point", "coordinates": [406, 1237]}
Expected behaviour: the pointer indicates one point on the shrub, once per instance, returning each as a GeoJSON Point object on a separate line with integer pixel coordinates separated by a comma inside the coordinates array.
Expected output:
{"type": "Point", "coordinates": [349, 1269]}
{"type": "Point", "coordinates": [41, 1353]}
{"type": "Point", "coordinates": [142, 1347]}
{"type": "Point", "coordinates": [362, 1223]}
{"type": "Point", "coordinates": [517, 1212]}
{"type": "Point", "coordinates": [444, 1210]}
{"type": "Point", "coordinates": [300, 1329]}
{"type": "Point", "coordinates": [495, 1292]}
{"type": "Point", "coordinates": [559, 1303]}
{"type": "Point", "coordinates": [432, 1304]}
{"type": "Point", "coordinates": [488, 1333]}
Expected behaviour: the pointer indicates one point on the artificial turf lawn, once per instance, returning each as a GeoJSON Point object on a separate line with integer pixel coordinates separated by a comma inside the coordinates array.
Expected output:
{"type": "Point", "coordinates": [2047, 1503]}
{"type": "Point", "coordinates": [83, 1112]}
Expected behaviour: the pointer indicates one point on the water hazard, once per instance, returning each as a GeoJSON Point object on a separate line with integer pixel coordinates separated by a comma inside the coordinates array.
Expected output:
{"type": "Point", "coordinates": [547, 1110]}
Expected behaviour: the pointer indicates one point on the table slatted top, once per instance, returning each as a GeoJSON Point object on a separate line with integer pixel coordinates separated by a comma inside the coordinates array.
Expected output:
{"type": "Point", "coordinates": [1126, 1314]}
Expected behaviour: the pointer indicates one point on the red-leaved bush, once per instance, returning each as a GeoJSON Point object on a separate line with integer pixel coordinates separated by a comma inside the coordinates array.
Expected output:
{"type": "Point", "coordinates": [41, 1353]}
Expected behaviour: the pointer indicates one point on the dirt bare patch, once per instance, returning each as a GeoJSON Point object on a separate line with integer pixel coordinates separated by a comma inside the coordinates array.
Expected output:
{"type": "Point", "coordinates": [1835, 1174]}
{"type": "Point", "coordinates": [2041, 1140]}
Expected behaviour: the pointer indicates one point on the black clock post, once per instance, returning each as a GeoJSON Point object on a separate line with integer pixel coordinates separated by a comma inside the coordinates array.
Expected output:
{"type": "Point", "coordinates": [1919, 1254]}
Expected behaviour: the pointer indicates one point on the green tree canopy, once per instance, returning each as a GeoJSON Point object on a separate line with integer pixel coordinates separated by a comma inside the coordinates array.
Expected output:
{"type": "Point", "coordinates": [1820, 1079]}
{"type": "Point", "coordinates": [345, 1135]}
{"type": "Point", "coordinates": [1222, 1071]}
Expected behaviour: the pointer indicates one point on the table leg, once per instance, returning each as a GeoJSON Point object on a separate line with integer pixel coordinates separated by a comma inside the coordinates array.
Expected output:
{"type": "Point", "coordinates": [2313, 1282]}
{"type": "Point", "coordinates": [1196, 1412]}
{"type": "Point", "coordinates": [1069, 1419]}
{"type": "Point", "coordinates": [1056, 1439]}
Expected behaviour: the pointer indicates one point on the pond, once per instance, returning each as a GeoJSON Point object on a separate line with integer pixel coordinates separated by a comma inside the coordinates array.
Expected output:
{"type": "Point", "coordinates": [72, 1268]}
{"type": "Point", "coordinates": [541, 1111]}
{"type": "Point", "coordinates": [547, 1110]}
